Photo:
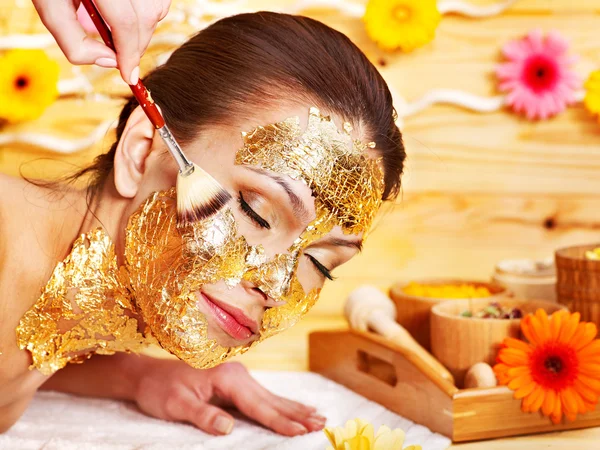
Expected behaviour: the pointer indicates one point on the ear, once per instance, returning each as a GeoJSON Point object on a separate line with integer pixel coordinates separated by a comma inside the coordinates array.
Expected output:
{"type": "Point", "coordinates": [132, 150]}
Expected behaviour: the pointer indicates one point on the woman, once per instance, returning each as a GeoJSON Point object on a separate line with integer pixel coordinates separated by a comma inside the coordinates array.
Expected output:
{"type": "Point", "coordinates": [247, 98]}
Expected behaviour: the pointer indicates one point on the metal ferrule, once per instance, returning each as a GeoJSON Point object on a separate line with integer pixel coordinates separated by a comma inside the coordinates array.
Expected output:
{"type": "Point", "coordinates": [185, 166]}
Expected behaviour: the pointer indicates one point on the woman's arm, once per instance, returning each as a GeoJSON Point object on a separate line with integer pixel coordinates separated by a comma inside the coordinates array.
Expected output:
{"type": "Point", "coordinates": [172, 390]}
{"type": "Point", "coordinates": [114, 376]}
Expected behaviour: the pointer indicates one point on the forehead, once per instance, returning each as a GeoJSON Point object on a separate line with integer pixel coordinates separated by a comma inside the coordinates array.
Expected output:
{"type": "Point", "coordinates": [346, 183]}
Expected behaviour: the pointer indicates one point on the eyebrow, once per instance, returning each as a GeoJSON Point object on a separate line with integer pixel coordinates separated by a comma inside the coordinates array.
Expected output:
{"type": "Point", "coordinates": [297, 203]}
{"type": "Point", "coordinates": [353, 243]}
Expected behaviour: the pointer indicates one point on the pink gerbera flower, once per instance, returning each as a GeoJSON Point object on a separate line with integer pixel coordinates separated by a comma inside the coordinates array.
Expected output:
{"type": "Point", "coordinates": [537, 75]}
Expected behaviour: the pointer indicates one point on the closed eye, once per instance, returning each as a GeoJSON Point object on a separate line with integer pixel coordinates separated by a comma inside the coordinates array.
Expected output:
{"type": "Point", "coordinates": [320, 267]}
{"type": "Point", "coordinates": [252, 215]}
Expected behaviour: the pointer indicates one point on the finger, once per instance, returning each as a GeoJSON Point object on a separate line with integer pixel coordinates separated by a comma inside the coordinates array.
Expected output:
{"type": "Point", "coordinates": [121, 18]}
{"type": "Point", "coordinates": [148, 14]}
{"type": "Point", "coordinates": [186, 407]}
{"type": "Point", "coordinates": [165, 5]}
{"type": "Point", "coordinates": [60, 18]}
{"type": "Point", "coordinates": [261, 408]}
{"type": "Point", "coordinates": [297, 408]}
{"type": "Point", "coordinates": [300, 413]}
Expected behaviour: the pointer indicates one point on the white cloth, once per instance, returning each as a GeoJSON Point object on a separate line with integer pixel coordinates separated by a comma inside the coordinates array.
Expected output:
{"type": "Point", "coordinates": [56, 421]}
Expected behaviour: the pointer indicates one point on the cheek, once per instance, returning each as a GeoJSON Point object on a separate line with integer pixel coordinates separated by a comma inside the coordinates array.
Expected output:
{"type": "Point", "coordinates": [308, 277]}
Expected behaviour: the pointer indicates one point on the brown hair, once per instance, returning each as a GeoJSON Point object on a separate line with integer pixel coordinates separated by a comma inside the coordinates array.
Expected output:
{"type": "Point", "coordinates": [254, 59]}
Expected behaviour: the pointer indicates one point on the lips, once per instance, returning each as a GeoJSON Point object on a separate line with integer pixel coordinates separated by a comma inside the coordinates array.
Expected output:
{"type": "Point", "coordinates": [231, 319]}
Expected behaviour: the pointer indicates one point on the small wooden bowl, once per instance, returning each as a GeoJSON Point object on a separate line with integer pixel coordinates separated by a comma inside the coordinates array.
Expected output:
{"type": "Point", "coordinates": [459, 342]}
{"type": "Point", "coordinates": [413, 312]}
{"type": "Point", "coordinates": [527, 278]}
{"type": "Point", "coordinates": [578, 282]}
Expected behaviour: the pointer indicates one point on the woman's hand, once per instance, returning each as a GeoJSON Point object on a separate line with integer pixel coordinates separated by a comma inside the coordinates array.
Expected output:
{"type": "Point", "coordinates": [172, 390]}
{"type": "Point", "coordinates": [132, 23]}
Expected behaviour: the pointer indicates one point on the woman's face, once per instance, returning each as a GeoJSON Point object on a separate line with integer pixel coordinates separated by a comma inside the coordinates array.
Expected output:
{"type": "Point", "coordinates": [297, 211]}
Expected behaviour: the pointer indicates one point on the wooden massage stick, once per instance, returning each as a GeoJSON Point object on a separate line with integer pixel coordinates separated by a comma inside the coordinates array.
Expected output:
{"type": "Point", "coordinates": [368, 308]}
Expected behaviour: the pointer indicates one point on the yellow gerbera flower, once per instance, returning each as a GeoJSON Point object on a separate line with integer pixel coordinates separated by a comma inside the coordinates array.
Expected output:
{"type": "Point", "coordinates": [28, 84]}
{"type": "Point", "coordinates": [401, 24]}
{"type": "Point", "coordinates": [359, 435]}
{"type": "Point", "coordinates": [592, 93]}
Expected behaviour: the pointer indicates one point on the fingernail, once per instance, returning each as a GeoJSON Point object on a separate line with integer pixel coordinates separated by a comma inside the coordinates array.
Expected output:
{"type": "Point", "coordinates": [318, 417]}
{"type": "Point", "coordinates": [135, 75]}
{"type": "Point", "coordinates": [223, 424]}
{"type": "Point", "coordinates": [106, 62]}
{"type": "Point", "coordinates": [315, 424]}
{"type": "Point", "coordinates": [299, 429]}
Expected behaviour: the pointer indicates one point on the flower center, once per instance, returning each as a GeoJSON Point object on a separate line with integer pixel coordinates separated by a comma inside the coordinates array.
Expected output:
{"type": "Point", "coordinates": [21, 82]}
{"type": "Point", "coordinates": [554, 366]}
{"type": "Point", "coordinates": [401, 13]}
{"type": "Point", "coordinates": [540, 73]}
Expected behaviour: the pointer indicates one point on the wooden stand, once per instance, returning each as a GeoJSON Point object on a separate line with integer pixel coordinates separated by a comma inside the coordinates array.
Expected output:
{"type": "Point", "coordinates": [398, 380]}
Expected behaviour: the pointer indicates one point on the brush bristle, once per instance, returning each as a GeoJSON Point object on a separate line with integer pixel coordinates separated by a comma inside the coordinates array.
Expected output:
{"type": "Point", "coordinates": [199, 196]}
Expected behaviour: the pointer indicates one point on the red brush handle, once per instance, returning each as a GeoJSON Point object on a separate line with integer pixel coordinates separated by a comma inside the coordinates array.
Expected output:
{"type": "Point", "coordinates": [139, 90]}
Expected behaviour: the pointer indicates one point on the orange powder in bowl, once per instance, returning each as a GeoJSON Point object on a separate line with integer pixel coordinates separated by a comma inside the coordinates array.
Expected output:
{"type": "Point", "coordinates": [446, 290]}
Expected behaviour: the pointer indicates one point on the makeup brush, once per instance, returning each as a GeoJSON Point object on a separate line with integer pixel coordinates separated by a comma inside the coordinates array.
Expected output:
{"type": "Point", "coordinates": [199, 195]}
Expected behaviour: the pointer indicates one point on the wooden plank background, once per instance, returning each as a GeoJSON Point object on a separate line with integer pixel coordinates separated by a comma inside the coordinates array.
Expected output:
{"type": "Point", "coordinates": [478, 187]}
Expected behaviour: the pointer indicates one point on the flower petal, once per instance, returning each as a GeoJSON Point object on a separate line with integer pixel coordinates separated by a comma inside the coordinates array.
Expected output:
{"type": "Point", "coordinates": [501, 372]}
{"type": "Point", "coordinates": [391, 440]}
{"type": "Point", "coordinates": [556, 321]}
{"type": "Point", "coordinates": [513, 357]}
{"type": "Point", "coordinates": [588, 395]}
{"type": "Point", "coordinates": [591, 370]}
{"type": "Point", "coordinates": [549, 402]}
{"type": "Point", "coordinates": [569, 403]}
{"type": "Point", "coordinates": [521, 381]}
{"type": "Point", "coordinates": [517, 344]}
{"type": "Point", "coordinates": [538, 401]}
{"type": "Point", "coordinates": [590, 350]}
{"type": "Point", "coordinates": [526, 325]}
{"type": "Point", "coordinates": [518, 371]}
{"type": "Point", "coordinates": [569, 328]}
{"type": "Point", "coordinates": [556, 415]}
{"type": "Point", "coordinates": [591, 383]}
{"type": "Point", "coordinates": [524, 390]}
{"type": "Point", "coordinates": [589, 333]}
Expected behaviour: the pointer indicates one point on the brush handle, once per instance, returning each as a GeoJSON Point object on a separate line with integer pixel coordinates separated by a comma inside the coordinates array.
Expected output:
{"type": "Point", "coordinates": [139, 90]}
{"type": "Point", "coordinates": [143, 96]}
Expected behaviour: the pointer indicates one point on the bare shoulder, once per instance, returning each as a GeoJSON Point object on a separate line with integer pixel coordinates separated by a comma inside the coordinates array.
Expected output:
{"type": "Point", "coordinates": [17, 383]}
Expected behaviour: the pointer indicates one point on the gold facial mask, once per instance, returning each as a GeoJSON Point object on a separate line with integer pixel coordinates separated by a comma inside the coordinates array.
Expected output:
{"type": "Point", "coordinates": [167, 266]}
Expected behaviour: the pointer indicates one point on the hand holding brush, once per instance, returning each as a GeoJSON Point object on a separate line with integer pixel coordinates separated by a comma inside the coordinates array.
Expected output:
{"type": "Point", "coordinates": [199, 195]}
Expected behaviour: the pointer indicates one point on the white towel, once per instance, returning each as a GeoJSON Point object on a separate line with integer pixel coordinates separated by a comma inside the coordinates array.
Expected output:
{"type": "Point", "coordinates": [56, 421]}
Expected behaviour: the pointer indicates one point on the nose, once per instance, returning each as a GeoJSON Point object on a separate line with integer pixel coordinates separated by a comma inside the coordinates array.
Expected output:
{"type": "Point", "coordinates": [258, 294]}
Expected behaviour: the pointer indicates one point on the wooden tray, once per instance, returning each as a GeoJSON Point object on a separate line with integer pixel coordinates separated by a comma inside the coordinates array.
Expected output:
{"type": "Point", "coordinates": [398, 380]}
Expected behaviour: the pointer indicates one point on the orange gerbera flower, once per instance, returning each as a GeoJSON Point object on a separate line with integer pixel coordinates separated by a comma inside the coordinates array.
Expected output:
{"type": "Point", "coordinates": [558, 370]}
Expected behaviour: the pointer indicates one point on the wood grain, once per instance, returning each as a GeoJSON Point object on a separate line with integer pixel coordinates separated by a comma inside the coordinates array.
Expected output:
{"type": "Point", "coordinates": [578, 281]}
{"type": "Point", "coordinates": [390, 375]}
{"type": "Point", "coordinates": [337, 356]}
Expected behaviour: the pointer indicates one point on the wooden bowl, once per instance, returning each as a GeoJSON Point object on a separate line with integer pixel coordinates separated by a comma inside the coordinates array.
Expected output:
{"type": "Point", "coordinates": [459, 342]}
{"type": "Point", "coordinates": [578, 282]}
{"type": "Point", "coordinates": [527, 278]}
{"type": "Point", "coordinates": [413, 312]}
